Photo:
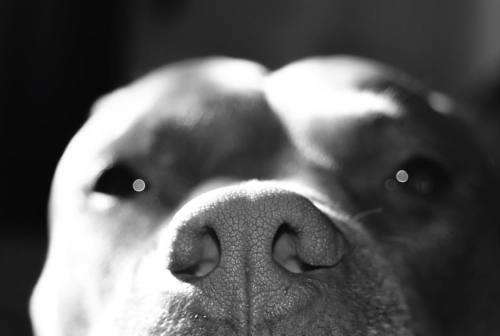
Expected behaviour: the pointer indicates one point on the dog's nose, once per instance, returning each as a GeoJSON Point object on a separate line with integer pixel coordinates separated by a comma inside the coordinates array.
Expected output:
{"type": "Point", "coordinates": [253, 246]}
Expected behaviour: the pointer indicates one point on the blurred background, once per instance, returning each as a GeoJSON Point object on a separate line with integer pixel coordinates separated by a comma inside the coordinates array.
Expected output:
{"type": "Point", "coordinates": [58, 56]}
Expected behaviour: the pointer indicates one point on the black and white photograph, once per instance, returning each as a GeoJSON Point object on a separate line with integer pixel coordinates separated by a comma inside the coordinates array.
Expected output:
{"type": "Point", "coordinates": [250, 168]}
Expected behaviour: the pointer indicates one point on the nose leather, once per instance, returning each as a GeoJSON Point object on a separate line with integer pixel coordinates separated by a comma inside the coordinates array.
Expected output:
{"type": "Point", "coordinates": [253, 247]}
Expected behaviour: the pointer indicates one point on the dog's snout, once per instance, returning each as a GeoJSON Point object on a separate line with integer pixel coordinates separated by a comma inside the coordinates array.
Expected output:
{"type": "Point", "coordinates": [248, 244]}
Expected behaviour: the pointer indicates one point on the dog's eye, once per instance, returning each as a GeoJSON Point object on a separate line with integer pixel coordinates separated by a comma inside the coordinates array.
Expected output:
{"type": "Point", "coordinates": [420, 176]}
{"type": "Point", "coordinates": [119, 180]}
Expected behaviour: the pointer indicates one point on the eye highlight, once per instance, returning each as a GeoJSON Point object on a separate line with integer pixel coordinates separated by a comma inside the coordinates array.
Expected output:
{"type": "Point", "coordinates": [420, 176]}
{"type": "Point", "coordinates": [139, 185]}
{"type": "Point", "coordinates": [119, 180]}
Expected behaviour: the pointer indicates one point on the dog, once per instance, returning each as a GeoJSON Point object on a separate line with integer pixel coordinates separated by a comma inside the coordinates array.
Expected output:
{"type": "Point", "coordinates": [334, 196]}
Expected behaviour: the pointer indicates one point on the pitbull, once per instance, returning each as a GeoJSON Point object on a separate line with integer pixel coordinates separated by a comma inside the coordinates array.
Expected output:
{"type": "Point", "coordinates": [335, 196]}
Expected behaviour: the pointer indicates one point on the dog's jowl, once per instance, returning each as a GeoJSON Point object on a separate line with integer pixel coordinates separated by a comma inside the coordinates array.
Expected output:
{"type": "Point", "coordinates": [334, 196]}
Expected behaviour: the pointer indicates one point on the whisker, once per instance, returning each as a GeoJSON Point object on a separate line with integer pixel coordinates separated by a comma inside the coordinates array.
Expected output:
{"type": "Point", "coordinates": [366, 213]}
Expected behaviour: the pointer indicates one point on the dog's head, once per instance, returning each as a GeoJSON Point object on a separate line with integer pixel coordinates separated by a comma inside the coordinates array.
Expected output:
{"type": "Point", "coordinates": [335, 196]}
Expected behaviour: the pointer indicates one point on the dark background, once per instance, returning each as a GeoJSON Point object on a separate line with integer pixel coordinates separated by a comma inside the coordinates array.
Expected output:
{"type": "Point", "coordinates": [58, 56]}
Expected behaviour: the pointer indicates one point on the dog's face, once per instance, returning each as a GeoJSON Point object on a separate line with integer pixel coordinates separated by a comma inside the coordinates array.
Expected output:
{"type": "Point", "coordinates": [332, 197]}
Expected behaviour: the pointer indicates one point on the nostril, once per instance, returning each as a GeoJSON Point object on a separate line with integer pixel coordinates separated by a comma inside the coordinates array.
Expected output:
{"type": "Point", "coordinates": [284, 250]}
{"type": "Point", "coordinates": [204, 258]}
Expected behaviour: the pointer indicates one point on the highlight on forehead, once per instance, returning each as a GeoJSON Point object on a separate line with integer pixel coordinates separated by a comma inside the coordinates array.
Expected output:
{"type": "Point", "coordinates": [234, 74]}
{"type": "Point", "coordinates": [329, 86]}
{"type": "Point", "coordinates": [321, 100]}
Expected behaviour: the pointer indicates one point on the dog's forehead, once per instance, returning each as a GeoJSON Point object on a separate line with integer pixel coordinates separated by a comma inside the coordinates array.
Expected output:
{"type": "Point", "coordinates": [346, 104]}
{"type": "Point", "coordinates": [175, 95]}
